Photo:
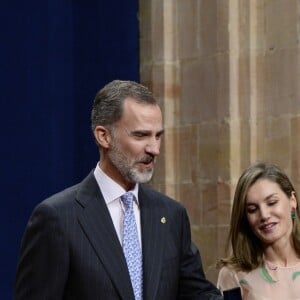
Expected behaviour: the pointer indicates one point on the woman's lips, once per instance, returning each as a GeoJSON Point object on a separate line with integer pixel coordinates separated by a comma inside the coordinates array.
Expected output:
{"type": "Point", "coordinates": [267, 227]}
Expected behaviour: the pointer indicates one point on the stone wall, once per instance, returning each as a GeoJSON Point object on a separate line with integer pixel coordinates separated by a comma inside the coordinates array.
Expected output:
{"type": "Point", "coordinates": [226, 73]}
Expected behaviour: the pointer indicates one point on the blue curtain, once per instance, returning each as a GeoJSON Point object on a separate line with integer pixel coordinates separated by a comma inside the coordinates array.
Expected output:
{"type": "Point", "coordinates": [54, 56]}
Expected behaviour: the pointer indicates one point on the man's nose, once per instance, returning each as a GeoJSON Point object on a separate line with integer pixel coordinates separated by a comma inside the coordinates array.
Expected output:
{"type": "Point", "coordinates": [153, 147]}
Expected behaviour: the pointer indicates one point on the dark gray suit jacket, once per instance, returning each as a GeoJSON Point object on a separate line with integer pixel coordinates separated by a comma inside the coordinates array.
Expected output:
{"type": "Point", "coordinates": [70, 250]}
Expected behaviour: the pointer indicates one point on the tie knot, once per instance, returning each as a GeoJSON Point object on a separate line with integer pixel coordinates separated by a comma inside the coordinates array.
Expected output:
{"type": "Point", "coordinates": [127, 199]}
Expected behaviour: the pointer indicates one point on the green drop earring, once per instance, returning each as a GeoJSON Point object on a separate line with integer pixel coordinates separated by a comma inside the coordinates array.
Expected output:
{"type": "Point", "coordinates": [293, 213]}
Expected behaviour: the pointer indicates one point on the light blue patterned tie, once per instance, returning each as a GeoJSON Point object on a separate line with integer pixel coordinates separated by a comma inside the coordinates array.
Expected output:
{"type": "Point", "coordinates": [131, 247]}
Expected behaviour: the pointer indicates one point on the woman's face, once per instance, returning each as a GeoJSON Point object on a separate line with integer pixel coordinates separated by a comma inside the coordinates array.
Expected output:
{"type": "Point", "coordinates": [268, 211]}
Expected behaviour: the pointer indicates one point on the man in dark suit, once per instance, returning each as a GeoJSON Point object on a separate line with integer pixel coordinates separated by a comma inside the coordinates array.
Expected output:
{"type": "Point", "coordinates": [73, 246]}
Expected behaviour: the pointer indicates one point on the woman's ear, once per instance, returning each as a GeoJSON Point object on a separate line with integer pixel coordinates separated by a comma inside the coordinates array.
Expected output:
{"type": "Point", "coordinates": [102, 136]}
{"type": "Point", "coordinates": [293, 200]}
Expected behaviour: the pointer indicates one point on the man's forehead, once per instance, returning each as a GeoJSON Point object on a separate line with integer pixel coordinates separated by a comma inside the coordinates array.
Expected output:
{"type": "Point", "coordinates": [144, 120]}
{"type": "Point", "coordinates": [131, 102]}
{"type": "Point", "coordinates": [133, 109]}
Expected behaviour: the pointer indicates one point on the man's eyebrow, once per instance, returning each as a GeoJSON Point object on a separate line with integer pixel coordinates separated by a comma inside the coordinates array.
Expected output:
{"type": "Point", "coordinates": [143, 131]}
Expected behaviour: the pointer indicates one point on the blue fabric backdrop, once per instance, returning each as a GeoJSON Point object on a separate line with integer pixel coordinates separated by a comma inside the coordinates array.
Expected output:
{"type": "Point", "coordinates": [54, 56]}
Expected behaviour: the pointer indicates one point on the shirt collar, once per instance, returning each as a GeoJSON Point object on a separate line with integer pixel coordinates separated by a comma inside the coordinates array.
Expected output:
{"type": "Point", "coordinates": [110, 189]}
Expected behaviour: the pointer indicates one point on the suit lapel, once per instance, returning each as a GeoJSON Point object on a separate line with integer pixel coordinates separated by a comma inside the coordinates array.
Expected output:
{"type": "Point", "coordinates": [98, 227]}
{"type": "Point", "coordinates": [153, 237]}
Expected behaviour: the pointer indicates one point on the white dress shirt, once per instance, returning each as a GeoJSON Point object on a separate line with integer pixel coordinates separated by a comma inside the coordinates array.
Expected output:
{"type": "Point", "coordinates": [112, 193]}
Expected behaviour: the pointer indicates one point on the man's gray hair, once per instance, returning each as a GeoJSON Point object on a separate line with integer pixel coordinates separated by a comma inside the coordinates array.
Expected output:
{"type": "Point", "coordinates": [108, 102]}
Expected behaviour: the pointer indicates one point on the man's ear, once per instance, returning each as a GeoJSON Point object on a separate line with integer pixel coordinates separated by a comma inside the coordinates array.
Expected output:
{"type": "Point", "coordinates": [102, 136]}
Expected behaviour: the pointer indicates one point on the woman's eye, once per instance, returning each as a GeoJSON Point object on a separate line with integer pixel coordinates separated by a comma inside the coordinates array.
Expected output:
{"type": "Point", "coordinates": [273, 202]}
{"type": "Point", "coordinates": [251, 210]}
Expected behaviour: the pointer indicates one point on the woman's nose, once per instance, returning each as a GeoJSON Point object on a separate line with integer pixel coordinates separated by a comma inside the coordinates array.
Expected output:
{"type": "Point", "coordinates": [264, 213]}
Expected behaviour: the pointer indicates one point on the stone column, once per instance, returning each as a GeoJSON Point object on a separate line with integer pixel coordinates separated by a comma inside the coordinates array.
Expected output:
{"type": "Point", "coordinates": [226, 73]}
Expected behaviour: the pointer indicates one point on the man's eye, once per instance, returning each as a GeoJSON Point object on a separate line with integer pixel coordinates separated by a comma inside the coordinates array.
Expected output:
{"type": "Point", "coordinates": [138, 135]}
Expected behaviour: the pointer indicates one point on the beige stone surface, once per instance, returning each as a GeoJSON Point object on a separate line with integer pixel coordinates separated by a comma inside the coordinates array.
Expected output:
{"type": "Point", "coordinates": [227, 75]}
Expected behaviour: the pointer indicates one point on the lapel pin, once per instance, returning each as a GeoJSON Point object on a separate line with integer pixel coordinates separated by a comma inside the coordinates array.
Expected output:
{"type": "Point", "coordinates": [163, 220]}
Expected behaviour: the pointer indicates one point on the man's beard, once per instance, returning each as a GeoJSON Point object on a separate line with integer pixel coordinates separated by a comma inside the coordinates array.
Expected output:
{"type": "Point", "coordinates": [127, 167]}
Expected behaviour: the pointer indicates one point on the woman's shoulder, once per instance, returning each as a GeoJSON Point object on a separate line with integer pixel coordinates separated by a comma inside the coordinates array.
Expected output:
{"type": "Point", "coordinates": [229, 278]}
